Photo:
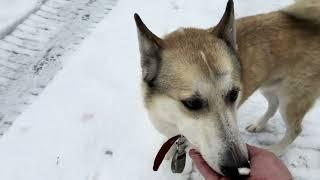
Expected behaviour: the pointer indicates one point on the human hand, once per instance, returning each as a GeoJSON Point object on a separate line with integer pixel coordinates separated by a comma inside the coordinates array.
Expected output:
{"type": "Point", "coordinates": [264, 165]}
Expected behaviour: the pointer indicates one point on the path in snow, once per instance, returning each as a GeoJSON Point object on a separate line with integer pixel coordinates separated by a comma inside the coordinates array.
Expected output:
{"type": "Point", "coordinates": [33, 47]}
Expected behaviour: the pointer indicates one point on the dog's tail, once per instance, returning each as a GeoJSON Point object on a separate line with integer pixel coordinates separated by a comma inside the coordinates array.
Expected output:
{"type": "Point", "coordinates": [305, 9]}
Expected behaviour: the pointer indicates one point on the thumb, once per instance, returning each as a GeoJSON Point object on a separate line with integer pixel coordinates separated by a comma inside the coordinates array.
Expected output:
{"type": "Point", "coordinates": [202, 166]}
{"type": "Point", "coordinates": [254, 151]}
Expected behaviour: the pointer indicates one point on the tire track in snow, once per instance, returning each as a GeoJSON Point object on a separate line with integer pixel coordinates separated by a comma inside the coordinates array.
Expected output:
{"type": "Point", "coordinates": [33, 47]}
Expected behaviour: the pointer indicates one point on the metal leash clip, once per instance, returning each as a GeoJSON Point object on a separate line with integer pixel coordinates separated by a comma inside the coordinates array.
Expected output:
{"type": "Point", "coordinates": [179, 158]}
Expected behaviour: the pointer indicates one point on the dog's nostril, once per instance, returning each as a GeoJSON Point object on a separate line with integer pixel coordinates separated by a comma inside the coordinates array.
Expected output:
{"type": "Point", "coordinates": [230, 171]}
{"type": "Point", "coordinates": [234, 163]}
{"type": "Point", "coordinates": [245, 164]}
{"type": "Point", "coordinates": [233, 172]}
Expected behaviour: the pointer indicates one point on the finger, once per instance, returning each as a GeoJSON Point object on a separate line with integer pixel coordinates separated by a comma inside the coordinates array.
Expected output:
{"type": "Point", "coordinates": [253, 151]}
{"type": "Point", "coordinates": [202, 166]}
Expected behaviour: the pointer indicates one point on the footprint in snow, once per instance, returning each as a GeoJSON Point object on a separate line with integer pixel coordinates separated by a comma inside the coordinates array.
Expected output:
{"type": "Point", "coordinates": [87, 117]}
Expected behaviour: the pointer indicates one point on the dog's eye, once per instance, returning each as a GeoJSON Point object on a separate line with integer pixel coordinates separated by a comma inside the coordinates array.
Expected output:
{"type": "Point", "coordinates": [232, 95]}
{"type": "Point", "coordinates": [194, 104]}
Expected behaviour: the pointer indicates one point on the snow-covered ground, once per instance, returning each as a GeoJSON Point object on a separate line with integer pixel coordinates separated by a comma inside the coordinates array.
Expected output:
{"type": "Point", "coordinates": [11, 10]}
{"type": "Point", "coordinates": [34, 48]}
{"type": "Point", "coordinates": [90, 124]}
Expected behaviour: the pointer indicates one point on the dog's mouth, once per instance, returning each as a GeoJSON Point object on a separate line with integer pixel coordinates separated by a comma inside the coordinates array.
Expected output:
{"type": "Point", "coordinates": [229, 171]}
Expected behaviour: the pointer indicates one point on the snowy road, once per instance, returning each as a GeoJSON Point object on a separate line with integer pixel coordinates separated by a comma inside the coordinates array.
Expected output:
{"type": "Point", "coordinates": [89, 123]}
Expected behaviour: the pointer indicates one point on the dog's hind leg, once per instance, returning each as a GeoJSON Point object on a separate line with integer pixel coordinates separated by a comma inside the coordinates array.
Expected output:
{"type": "Point", "coordinates": [292, 111]}
{"type": "Point", "coordinates": [273, 104]}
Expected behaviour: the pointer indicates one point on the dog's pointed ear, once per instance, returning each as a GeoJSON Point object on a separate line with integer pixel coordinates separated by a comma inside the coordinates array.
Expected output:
{"type": "Point", "coordinates": [150, 47]}
{"type": "Point", "coordinates": [226, 28]}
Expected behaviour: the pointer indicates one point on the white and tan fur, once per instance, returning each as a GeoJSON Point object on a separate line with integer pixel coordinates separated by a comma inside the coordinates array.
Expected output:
{"type": "Point", "coordinates": [278, 53]}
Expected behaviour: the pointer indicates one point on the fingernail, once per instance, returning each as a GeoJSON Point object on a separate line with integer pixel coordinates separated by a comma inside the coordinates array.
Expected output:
{"type": "Point", "coordinates": [192, 152]}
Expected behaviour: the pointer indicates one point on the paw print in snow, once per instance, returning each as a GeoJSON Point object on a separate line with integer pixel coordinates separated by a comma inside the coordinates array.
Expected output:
{"type": "Point", "coordinates": [87, 116]}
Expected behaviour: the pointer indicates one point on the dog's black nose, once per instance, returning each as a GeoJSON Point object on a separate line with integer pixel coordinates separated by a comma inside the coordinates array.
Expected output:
{"type": "Point", "coordinates": [232, 161]}
{"type": "Point", "coordinates": [233, 172]}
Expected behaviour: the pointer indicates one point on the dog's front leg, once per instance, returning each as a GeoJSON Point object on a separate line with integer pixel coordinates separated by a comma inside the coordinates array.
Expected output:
{"type": "Point", "coordinates": [273, 104]}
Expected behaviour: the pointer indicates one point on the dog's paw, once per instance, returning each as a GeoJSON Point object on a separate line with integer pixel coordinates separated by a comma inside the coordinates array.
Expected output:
{"type": "Point", "coordinates": [255, 127]}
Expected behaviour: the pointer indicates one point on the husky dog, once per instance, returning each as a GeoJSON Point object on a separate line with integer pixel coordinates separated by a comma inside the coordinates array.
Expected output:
{"type": "Point", "coordinates": [195, 79]}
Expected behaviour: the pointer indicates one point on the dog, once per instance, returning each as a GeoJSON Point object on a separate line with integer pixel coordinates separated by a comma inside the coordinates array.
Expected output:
{"type": "Point", "coordinates": [194, 80]}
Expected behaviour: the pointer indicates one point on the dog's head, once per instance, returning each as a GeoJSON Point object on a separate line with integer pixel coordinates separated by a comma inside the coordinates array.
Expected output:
{"type": "Point", "coordinates": [192, 84]}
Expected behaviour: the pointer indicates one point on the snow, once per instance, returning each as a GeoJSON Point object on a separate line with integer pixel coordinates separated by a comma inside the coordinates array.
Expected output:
{"type": "Point", "coordinates": [31, 50]}
{"type": "Point", "coordinates": [12, 10]}
{"type": "Point", "coordinates": [90, 123]}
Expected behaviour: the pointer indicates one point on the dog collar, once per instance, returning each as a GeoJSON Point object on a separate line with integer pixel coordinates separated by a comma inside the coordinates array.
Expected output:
{"type": "Point", "coordinates": [163, 151]}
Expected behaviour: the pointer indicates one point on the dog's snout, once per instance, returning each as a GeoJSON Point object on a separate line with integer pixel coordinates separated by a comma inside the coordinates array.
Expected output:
{"type": "Point", "coordinates": [232, 161]}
